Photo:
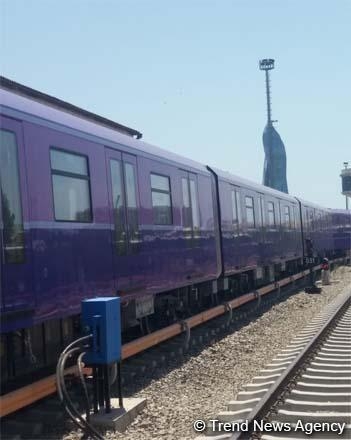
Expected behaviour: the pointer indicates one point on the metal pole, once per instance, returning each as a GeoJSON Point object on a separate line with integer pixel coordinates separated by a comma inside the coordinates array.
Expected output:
{"type": "Point", "coordinates": [107, 390]}
{"type": "Point", "coordinates": [119, 384]}
{"type": "Point", "coordinates": [347, 203]}
{"type": "Point", "coordinates": [268, 95]}
{"type": "Point", "coordinates": [95, 390]}
{"type": "Point", "coordinates": [101, 386]}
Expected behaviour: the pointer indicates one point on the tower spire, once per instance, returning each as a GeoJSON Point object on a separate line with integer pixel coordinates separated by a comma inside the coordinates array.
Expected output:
{"type": "Point", "coordinates": [274, 171]}
{"type": "Point", "coordinates": [267, 65]}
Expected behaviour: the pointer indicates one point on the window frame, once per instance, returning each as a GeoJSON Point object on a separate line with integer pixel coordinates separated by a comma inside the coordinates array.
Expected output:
{"type": "Point", "coordinates": [22, 259]}
{"type": "Point", "coordinates": [295, 214]}
{"type": "Point", "coordinates": [86, 177]}
{"type": "Point", "coordinates": [287, 215]}
{"type": "Point", "coordinates": [250, 226]}
{"type": "Point", "coordinates": [160, 191]}
{"type": "Point", "coordinates": [190, 231]}
{"type": "Point", "coordinates": [270, 225]}
{"type": "Point", "coordinates": [119, 228]}
{"type": "Point", "coordinates": [260, 203]}
{"type": "Point", "coordinates": [235, 203]}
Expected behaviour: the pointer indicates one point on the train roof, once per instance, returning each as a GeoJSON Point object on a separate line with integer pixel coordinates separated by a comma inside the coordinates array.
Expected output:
{"type": "Point", "coordinates": [236, 180]}
{"type": "Point", "coordinates": [28, 92]}
{"type": "Point", "coordinates": [27, 107]}
{"type": "Point", "coordinates": [308, 204]}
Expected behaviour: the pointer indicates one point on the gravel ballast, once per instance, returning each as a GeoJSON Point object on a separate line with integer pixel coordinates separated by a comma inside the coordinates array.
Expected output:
{"type": "Point", "coordinates": [203, 384]}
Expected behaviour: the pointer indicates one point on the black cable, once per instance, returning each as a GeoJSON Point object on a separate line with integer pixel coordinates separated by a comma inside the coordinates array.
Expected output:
{"type": "Point", "coordinates": [113, 373]}
{"type": "Point", "coordinates": [81, 422]}
{"type": "Point", "coordinates": [60, 391]}
{"type": "Point", "coordinates": [63, 393]}
{"type": "Point", "coordinates": [84, 385]}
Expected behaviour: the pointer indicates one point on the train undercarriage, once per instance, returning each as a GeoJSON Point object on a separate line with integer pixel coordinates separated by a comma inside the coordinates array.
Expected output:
{"type": "Point", "coordinates": [32, 352]}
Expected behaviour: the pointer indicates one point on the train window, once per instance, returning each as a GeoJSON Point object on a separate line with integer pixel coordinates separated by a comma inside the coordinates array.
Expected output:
{"type": "Point", "coordinates": [295, 221]}
{"type": "Point", "coordinates": [250, 211]}
{"type": "Point", "coordinates": [234, 208]}
{"type": "Point", "coordinates": [319, 220]}
{"type": "Point", "coordinates": [161, 199]}
{"type": "Point", "coordinates": [238, 205]}
{"type": "Point", "coordinates": [132, 208]}
{"type": "Point", "coordinates": [13, 233]}
{"type": "Point", "coordinates": [287, 217]}
{"type": "Point", "coordinates": [118, 206]}
{"type": "Point", "coordinates": [260, 211]}
{"type": "Point", "coordinates": [194, 207]}
{"type": "Point", "coordinates": [191, 217]}
{"type": "Point", "coordinates": [306, 220]}
{"type": "Point", "coordinates": [187, 223]}
{"type": "Point", "coordinates": [312, 225]}
{"type": "Point", "coordinates": [71, 189]}
{"type": "Point", "coordinates": [271, 214]}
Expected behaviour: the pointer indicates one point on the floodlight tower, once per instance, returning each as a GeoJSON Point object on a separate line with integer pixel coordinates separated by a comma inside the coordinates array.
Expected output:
{"type": "Point", "coordinates": [346, 183]}
{"type": "Point", "coordinates": [267, 65]}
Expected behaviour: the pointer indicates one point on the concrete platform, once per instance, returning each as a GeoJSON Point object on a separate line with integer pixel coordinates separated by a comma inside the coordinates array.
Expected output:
{"type": "Point", "coordinates": [119, 418]}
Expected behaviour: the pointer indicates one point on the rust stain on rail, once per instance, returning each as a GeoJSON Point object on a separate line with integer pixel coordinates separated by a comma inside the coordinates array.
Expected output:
{"type": "Point", "coordinates": [29, 394]}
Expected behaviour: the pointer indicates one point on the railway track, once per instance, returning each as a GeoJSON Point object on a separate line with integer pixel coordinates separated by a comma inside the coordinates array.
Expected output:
{"type": "Point", "coordinates": [304, 392]}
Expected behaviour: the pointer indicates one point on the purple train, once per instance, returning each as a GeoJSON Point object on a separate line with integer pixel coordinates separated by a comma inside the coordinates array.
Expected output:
{"type": "Point", "coordinates": [88, 209]}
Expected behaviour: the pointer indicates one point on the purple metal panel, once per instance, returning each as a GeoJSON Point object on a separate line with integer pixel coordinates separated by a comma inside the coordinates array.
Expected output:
{"type": "Point", "coordinates": [251, 247]}
{"type": "Point", "coordinates": [341, 230]}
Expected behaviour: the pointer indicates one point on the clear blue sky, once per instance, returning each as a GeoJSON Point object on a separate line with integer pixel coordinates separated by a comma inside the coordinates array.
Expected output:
{"type": "Point", "coordinates": [185, 73]}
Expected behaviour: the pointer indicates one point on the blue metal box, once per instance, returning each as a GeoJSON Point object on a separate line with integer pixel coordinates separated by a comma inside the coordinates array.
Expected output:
{"type": "Point", "coordinates": [103, 317]}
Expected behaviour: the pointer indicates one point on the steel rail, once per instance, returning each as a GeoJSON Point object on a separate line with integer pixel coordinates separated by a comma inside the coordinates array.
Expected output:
{"type": "Point", "coordinates": [29, 394]}
{"type": "Point", "coordinates": [271, 397]}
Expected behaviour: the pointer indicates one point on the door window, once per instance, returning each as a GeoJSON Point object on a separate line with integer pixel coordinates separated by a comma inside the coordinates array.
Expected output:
{"type": "Point", "coordinates": [132, 208]}
{"type": "Point", "coordinates": [250, 211]}
{"type": "Point", "coordinates": [118, 206]}
{"type": "Point", "coordinates": [125, 207]}
{"type": "Point", "coordinates": [236, 211]}
{"type": "Point", "coordinates": [271, 214]}
{"type": "Point", "coordinates": [13, 232]}
{"type": "Point", "coordinates": [260, 211]}
{"type": "Point", "coordinates": [191, 216]}
{"type": "Point", "coordinates": [287, 217]}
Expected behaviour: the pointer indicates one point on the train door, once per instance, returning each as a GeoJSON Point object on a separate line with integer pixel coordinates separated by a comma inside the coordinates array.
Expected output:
{"type": "Point", "coordinates": [17, 296]}
{"type": "Point", "coordinates": [123, 202]}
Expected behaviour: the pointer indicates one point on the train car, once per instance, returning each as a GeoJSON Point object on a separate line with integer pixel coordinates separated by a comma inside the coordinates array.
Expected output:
{"type": "Point", "coordinates": [260, 231]}
{"type": "Point", "coordinates": [317, 226]}
{"type": "Point", "coordinates": [89, 210]}
{"type": "Point", "coordinates": [341, 231]}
